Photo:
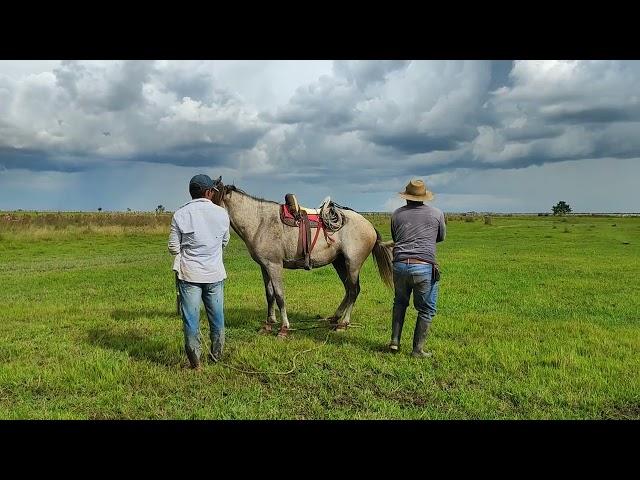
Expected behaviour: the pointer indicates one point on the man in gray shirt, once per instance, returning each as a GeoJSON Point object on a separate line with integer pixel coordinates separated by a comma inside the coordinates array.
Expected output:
{"type": "Point", "coordinates": [415, 228]}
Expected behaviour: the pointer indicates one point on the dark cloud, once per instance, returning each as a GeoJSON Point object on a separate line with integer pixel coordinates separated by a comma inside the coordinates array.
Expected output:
{"type": "Point", "coordinates": [125, 91]}
{"type": "Point", "coordinates": [528, 133]}
{"type": "Point", "coordinates": [39, 161]}
{"type": "Point", "coordinates": [196, 85]}
{"type": "Point", "coordinates": [414, 142]}
{"type": "Point", "coordinates": [594, 115]}
{"type": "Point", "coordinates": [104, 89]}
{"type": "Point", "coordinates": [500, 70]}
{"type": "Point", "coordinates": [330, 104]}
{"type": "Point", "coordinates": [364, 73]}
{"type": "Point", "coordinates": [193, 155]}
{"type": "Point", "coordinates": [365, 123]}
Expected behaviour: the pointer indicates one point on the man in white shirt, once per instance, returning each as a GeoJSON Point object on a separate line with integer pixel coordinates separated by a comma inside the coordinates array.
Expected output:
{"type": "Point", "coordinates": [199, 232]}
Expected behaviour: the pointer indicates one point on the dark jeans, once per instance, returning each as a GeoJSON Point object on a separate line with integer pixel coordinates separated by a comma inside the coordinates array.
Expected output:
{"type": "Point", "coordinates": [416, 278]}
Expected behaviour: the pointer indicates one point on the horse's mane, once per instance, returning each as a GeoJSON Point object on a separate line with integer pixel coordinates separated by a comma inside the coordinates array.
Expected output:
{"type": "Point", "coordinates": [233, 188]}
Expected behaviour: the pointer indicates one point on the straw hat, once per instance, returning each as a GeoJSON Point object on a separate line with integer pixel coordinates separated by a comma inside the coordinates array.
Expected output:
{"type": "Point", "coordinates": [417, 191]}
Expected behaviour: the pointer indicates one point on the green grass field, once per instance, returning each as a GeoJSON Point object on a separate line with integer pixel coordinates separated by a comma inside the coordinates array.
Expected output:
{"type": "Point", "coordinates": [539, 318]}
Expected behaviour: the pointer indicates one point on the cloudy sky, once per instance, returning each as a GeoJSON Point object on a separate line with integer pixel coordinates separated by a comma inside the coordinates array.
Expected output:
{"type": "Point", "coordinates": [485, 135]}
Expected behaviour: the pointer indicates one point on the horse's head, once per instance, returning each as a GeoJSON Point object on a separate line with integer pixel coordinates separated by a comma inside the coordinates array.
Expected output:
{"type": "Point", "coordinates": [218, 195]}
{"type": "Point", "coordinates": [223, 192]}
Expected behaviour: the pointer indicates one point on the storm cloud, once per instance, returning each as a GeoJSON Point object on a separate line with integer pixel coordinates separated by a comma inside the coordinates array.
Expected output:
{"type": "Point", "coordinates": [351, 128]}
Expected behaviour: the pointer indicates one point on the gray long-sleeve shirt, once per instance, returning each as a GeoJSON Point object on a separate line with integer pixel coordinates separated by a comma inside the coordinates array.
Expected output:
{"type": "Point", "coordinates": [416, 228]}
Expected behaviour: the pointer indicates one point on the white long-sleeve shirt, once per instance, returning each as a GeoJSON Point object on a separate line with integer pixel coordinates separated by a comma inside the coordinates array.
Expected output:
{"type": "Point", "coordinates": [199, 232]}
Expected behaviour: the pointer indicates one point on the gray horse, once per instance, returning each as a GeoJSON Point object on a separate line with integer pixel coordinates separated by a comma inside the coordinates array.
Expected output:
{"type": "Point", "coordinates": [274, 246]}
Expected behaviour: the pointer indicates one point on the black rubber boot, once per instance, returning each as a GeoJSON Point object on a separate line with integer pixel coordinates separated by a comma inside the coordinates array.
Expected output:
{"type": "Point", "coordinates": [217, 346]}
{"type": "Point", "coordinates": [396, 329]}
{"type": "Point", "coordinates": [194, 359]}
{"type": "Point", "coordinates": [419, 338]}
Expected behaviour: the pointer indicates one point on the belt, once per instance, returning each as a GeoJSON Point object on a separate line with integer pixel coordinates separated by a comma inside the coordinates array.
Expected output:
{"type": "Point", "coordinates": [413, 260]}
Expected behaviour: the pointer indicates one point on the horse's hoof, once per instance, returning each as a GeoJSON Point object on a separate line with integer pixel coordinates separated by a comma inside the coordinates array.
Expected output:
{"type": "Point", "coordinates": [266, 329]}
{"type": "Point", "coordinates": [283, 333]}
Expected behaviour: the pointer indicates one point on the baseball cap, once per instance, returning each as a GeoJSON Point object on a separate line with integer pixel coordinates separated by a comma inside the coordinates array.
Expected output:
{"type": "Point", "coordinates": [203, 181]}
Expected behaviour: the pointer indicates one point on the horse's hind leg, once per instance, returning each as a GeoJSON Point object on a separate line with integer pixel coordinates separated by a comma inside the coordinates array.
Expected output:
{"type": "Point", "coordinates": [353, 282]}
{"type": "Point", "coordinates": [341, 268]}
{"type": "Point", "coordinates": [271, 311]}
{"type": "Point", "coordinates": [350, 277]}
{"type": "Point", "coordinates": [275, 274]}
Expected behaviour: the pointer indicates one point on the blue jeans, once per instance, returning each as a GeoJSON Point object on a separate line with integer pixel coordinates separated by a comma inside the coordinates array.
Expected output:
{"type": "Point", "coordinates": [212, 295]}
{"type": "Point", "coordinates": [416, 278]}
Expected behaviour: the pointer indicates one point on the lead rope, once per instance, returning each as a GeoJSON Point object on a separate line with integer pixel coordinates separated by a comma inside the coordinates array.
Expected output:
{"type": "Point", "coordinates": [293, 360]}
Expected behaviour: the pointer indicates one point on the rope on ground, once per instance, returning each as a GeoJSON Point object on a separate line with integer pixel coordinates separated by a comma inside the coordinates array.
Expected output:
{"type": "Point", "coordinates": [357, 325]}
{"type": "Point", "coordinates": [254, 372]}
{"type": "Point", "coordinates": [293, 360]}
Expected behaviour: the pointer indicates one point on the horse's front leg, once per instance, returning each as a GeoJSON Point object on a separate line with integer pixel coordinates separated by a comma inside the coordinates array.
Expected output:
{"type": "Point", "coordinates": [277, 281]}
{"type": "Point", "coordinates": [269, 293]}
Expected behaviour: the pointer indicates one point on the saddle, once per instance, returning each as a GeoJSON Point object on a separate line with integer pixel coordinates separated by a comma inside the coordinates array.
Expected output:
{"type": "Point", "coordinates": [293, 215]}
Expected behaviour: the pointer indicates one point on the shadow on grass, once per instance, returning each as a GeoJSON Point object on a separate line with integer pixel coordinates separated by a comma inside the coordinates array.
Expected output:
{"type": "Point", "coordinates": [137, 344]}
{"type": "Point", "coordinates": [302, 325]}
{"type": "Point", "coordinates": [129, 315]}
{"type": "Point", "coordinates": [233, 317]}
{"type": "Point", "coordinates": [140, 345]}
{"type": "Point", "coordinates": [305, 325]}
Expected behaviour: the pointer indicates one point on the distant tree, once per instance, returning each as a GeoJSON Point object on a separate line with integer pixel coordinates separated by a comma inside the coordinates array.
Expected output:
{"type": "Point", "coordinates": [128, 209]}
{"type": "Point", "coordinates": [562, 208]}
{"type": "Point", "coordinates": [159, 209]}
{"type": "Point", "coordinates": [99, 209]}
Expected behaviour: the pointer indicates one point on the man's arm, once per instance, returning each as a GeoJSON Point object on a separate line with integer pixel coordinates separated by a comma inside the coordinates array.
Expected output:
{"type": "Point", "coordinates": [226, 235]}
{"type": "Point", "coordinates": [442, 228]}
{"type": "Point", "coordinates": [174, 238]}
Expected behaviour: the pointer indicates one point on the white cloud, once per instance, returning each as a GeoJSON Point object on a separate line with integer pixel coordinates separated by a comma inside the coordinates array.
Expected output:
{"type": "Point", "coordinates": [393, 203]}
{"type": "Point", "coordinates": [359, 127]}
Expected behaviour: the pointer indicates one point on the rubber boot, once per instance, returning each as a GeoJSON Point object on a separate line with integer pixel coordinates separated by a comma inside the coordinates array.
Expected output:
{"type": "Point", "coordinates": [396, 330]}
{"type": "Point", "coordinates": [194, 359]}
{"type": "Point", "coordinates": [419, 337]}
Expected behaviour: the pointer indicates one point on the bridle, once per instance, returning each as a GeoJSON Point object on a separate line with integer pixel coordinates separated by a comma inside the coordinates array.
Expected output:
{"type": "Point", "coordinates": [219, 193]}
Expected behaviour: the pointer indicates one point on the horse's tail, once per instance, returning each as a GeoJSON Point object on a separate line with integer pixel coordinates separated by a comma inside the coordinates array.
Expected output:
{"type": "Point", "coordinates": [383, 257]}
